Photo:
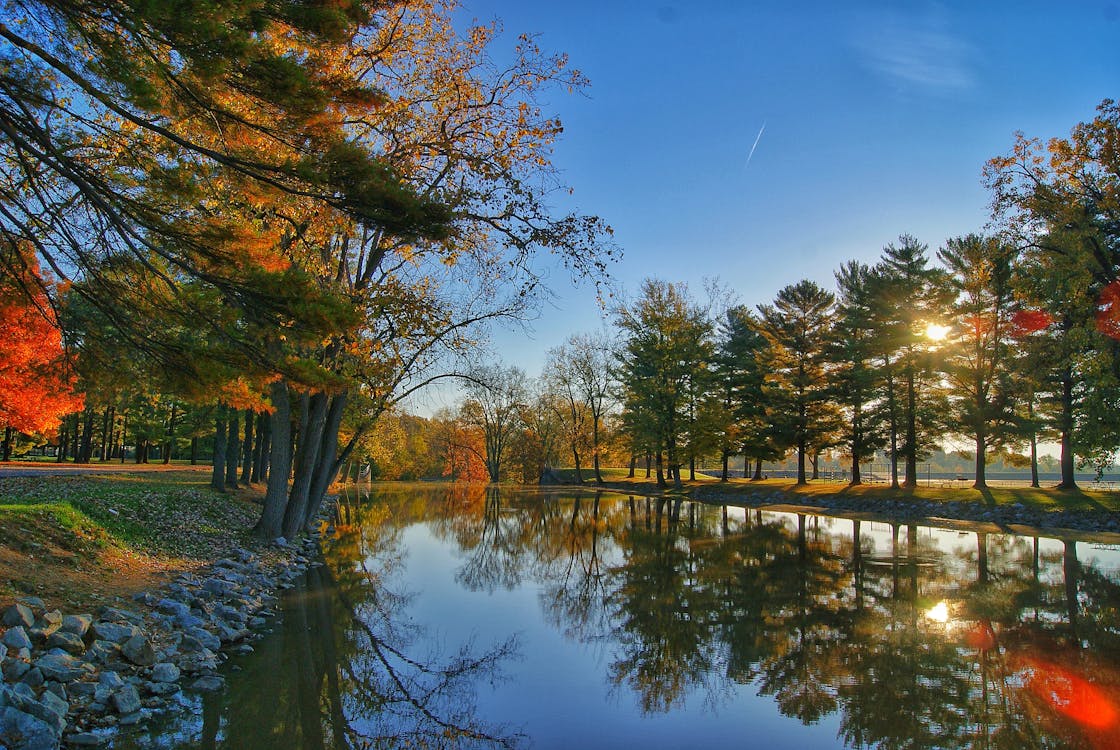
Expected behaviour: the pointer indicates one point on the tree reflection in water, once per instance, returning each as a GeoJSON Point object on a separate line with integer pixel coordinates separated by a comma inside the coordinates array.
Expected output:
{"type": "Point", "coordinates": [692, 601]}
{"type": "Point", "coordinates": [346, 670]}
{"type": "Point", "coordinates": [907, 637]}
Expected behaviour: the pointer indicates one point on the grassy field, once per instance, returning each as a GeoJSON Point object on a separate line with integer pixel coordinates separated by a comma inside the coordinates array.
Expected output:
{"type": "Point", "coordinates": [66, 537]}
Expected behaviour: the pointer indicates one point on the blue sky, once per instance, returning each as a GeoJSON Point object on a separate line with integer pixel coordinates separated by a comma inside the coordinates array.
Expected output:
{"type": "Point", "coordinates": [878, 120]}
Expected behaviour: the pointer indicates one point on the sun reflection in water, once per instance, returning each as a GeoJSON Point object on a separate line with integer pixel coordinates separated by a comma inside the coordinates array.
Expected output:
{"type": "Point", "coordinates": [938, 613]}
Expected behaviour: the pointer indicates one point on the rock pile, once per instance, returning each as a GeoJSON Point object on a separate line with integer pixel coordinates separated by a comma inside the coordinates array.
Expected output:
{"type": "Point", "coordinates": [73, 679]}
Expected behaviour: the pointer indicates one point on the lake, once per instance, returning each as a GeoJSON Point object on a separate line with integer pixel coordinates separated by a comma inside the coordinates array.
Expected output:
{"type": "Point", "coordinates": [451, 616]}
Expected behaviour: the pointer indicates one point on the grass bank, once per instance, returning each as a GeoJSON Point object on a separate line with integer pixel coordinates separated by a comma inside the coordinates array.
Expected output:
{"type": "Point", "coordinates": [1043, 499]}
{"type": "Point", "coordinates": [77, 541]}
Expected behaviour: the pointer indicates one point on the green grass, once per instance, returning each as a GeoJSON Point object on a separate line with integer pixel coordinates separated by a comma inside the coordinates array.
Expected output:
{"type": "Point", "coordinates": [1044, 499]}
{"type": "Point", "coordinates": [167, 513]}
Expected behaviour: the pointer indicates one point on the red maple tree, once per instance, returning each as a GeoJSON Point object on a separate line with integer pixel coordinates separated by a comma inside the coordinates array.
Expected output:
{"type": "Point", "coordinates": [36, 382]}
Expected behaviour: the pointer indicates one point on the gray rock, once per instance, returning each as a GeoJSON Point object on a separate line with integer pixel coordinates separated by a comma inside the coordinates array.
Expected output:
{"type": "Point", "coordinates": [163, 688]}
{"type": "Point", "coordinates": [110, 679]}
{"type": "Point", "coordinates": [113, 632]}
{"type": "Point", "coordinates": [50, 709]}
{"type": "Point", "coordinates": [84, 689]}
{"type": "Point", "coordinates": [18, 615]}
{"type": "Point", "coordinates": [116, 614]}
{"type": "Point", "coordinates": [126, 700]}
{"type": "Point", "coordinates": [102, 651]}
{"type": "Point", "coordinates": [165, 672]}
{"type": "Point", "coordinates": [60, 667]}
{"type": "Point", "coordinates": [32, 601]}
{"type": "Point", "coordinates": [31, 732]}
{"type": "Point", "coordinates": [58, 689]}
{"type": "Point", "coordinates": [14, 669]}
{"type": "Point", "coordinates": [217, 586]}
{"type": "Point", "coordinates": [71, 643]}
{"type": "Point", "coordinates": [203, 637]}
{"type": "Point", "coordinates": [139, 651]}
{"type": "Point", "coordinates": [16, 637]}
{"type": "Point", "coordinates": [76, 624]}
{"type": "Point", "coordinates": [33, 678]}
{"type": "Point", "coordinates": [131, 719]}
{"type": "Point", "coordinates": [86, 739]}
{"type": "Point", "coordinates": [208, 684]}
{"type": "Point", "coordinates": [172, 607]}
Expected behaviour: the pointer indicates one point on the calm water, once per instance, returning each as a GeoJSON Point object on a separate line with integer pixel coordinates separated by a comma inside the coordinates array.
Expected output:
{"type": "Point", "coordinates": [452, 617]}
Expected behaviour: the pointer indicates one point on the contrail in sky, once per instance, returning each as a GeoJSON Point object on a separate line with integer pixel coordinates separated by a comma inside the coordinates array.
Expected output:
{"type": "Point", "coordinates": [756, 140]}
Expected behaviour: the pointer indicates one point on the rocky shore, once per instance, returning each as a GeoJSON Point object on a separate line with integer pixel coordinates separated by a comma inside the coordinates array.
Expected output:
{"type": "Point", "coordinates": [73, 680]}
{"type": "Point", "coordinates": [917, 509]}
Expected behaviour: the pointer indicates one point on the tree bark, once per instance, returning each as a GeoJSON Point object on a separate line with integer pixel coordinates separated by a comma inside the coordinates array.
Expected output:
{"type": "Point", "coordinates": [170, 441]}
{"type": "Point", "coordinates": [270, 524]}
{"type": "Point", "coordinates": [1069, 480]}
{"type": "Point", "coordinates": [7, 450]}
{"type": "Point", "coordinates": [307, 454]}
{"type": "Point", "coordinates": [233, 449]}
{"type": "Point", "coordinates": [218, 475]}
{"type": "Point", "coordinates": [194, 450]}
{"type": "Point", "coordinates": [329, 461]}
{"type": "Point", "coordinates": [105, 434]}
{"type": "Point", "coordinates": [981, 480]}
{"type": "Point", "coordinates": [247, 449]}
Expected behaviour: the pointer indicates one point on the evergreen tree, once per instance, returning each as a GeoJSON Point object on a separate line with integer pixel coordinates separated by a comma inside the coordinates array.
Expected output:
{"type": "Point", "coordinates": [798, 326]}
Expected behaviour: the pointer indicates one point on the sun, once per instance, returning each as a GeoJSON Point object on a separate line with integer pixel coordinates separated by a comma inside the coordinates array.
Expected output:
{"type": "Point", "coordinates": [935, 332]}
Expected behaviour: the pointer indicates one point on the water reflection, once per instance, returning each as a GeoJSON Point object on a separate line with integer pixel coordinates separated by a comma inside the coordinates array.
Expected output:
{"type": "Point", "coordinates": [905, 636]}
{"type": "Point", "coordinates": [347, 668]}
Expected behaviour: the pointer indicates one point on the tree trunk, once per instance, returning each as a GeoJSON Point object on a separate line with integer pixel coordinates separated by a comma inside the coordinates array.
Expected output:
{"type": "Point", "coordinates": [692, 468]}
{"type": "Point", "coordinates": [194, 450]}
{"type": "Point", "coordinates": [1034, 442]}
{"type": "Point", "coordinates": [258, 448]}
{"type": "Point", "coordinates": [633, 466]}
{"type": "Point", "coordinates": [1069, 481]}
{"type": "Point", "coordinates": [111, 437]}
{"type": "Point", "coordinates": [265, 430]}
{"type": "Point", "coordinates": [74, 437]}
{"type": "Point", "coordinates": [170, 441]}
{"type": "Point", "coordinates": [981, 480]}
{"type": "Point", "coordinates": [649, 462]}
{"type": "Point", "coordinates": [856, 478]}
{"type": "Point", "coordinates": [815, 462]}
{"type": "Point", "coordinates": [329, 461]}
{"type": "Point", "coordinates": [233, 449]}
{"type": "Point", "coordinates": [247, 449]}
{"type": "Point", "coordinates": [218, 475]}
{"type": "Point", "coordinates": [6, 452]}
{"type": "Point", "coordinates": [105, 435]}
{"type": "Point", "coordinates": [911, 479]}
{"type": "Point", "coordinates": [757, 470]}
{"type": "Point", "coordinates": [801, 462]}
{"type": "Point", "coordinates": [307, 454]}
{"type": "Point", "coordinates": [270, 524]}
{"type": "Point", "coordinates": [575, 459]}
{"type": "Point", "coordinates": [660, 461]}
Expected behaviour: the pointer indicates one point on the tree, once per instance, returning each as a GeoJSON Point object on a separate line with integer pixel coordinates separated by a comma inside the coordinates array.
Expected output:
{"type": "Point", "coordinates": [740, 371]}
{"type": "Point", "coordinates": [798, 326]}
{"type": "Point", "coordinates": [857, 382]}
{"type": "Point", "coordinates": [977, 367]}
{"type": "Point", "coordinates": [914, 297]}
{"type": "Point", "coordinates": [37, 382]}
{"type": "Point", "coordinates": [1060, 204]}
{"type": "Point", "coordinates": [666, 339]}
{"type": "Point", "coordinates": [495, 399]}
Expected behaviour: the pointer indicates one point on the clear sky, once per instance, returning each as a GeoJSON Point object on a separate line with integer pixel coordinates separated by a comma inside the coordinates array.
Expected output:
{"type": "Point", "coordinates": [875, 119]}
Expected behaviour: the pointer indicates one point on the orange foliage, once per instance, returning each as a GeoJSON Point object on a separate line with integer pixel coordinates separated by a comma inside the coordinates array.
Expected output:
{"type": "Point", "coordinates": [36, 384]}
{"type": "Point", "coordinates": [465, 447]}
{"type": "Point", "coordinates": [1108, 311]}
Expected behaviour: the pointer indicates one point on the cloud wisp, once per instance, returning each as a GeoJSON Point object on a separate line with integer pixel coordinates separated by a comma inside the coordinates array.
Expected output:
{"type": "Point", "coordinates": [915, 52]}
